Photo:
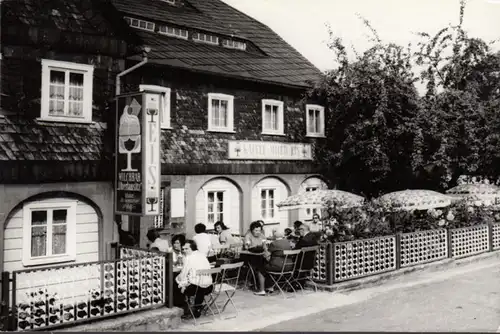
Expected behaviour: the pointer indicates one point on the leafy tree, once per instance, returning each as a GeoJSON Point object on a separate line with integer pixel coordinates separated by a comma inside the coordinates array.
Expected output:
{"type": "Point", "coordinates": [371, 104]}
{"type": "Point", "coordinates": [458, 123]}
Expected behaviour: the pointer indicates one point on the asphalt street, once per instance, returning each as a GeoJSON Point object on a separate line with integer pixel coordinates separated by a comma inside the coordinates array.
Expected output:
{"type": "Point", "coordinates": [466, 302]}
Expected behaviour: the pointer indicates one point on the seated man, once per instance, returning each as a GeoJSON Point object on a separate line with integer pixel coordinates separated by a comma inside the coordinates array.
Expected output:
{"type": "Point", "coordinates": [307, 239]}
{"type": "Point", "coordinates": [275, 260]}
{"type": "Point", "coordinates": [188, 282]}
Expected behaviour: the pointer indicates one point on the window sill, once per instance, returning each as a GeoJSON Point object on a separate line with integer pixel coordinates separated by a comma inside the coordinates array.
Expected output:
{"type": "Point", "coordinates": [221, 130]}
{"type": "Point", "coordinates": [164, 127]}
{"type": "Point", "coordinates": [67, 121]}
{"type": "Point", "coordinates": [49, 261]}
{"type": "Point", "coordinates": [273, 133]}
{"type": "Point", "coordinates": [315, 135]}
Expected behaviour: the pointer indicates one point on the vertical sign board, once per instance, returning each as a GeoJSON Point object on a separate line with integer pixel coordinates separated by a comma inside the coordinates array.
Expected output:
{"type": "Point", "coordinates": [137, 159]}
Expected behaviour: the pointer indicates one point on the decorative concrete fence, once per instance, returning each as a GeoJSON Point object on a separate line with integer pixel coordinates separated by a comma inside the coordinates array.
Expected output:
{"type": "Point", "coordinates": [350, 260]}
{"type": "Point", "coordinates": [53, 297]}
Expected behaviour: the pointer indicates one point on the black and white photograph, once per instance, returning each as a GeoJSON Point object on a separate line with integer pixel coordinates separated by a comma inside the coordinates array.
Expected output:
{"type": "Point", "coordinates": [250, 165]}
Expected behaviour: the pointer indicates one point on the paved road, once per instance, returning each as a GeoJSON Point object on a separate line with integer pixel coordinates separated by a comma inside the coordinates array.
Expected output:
{"type": "Point", "coordinates": [466, 302]}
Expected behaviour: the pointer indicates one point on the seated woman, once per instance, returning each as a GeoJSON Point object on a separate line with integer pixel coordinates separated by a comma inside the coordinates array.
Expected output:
{"type": "Point", "coordinates": [225, 236]}
{"type": "Point", "coordinates": [254, 238]}
{"type": "Point", "coordinates": [177, 242]}
{"type": "Point", "coordinates": [157, 243]}
{"type": "Point", "coordinates": [188, 282]}
{"type": "Point", "coordinates": [275, 260]}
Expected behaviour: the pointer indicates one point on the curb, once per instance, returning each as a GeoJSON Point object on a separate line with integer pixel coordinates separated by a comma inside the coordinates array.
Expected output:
{"type": "Point", "coordinates": [378, 279]}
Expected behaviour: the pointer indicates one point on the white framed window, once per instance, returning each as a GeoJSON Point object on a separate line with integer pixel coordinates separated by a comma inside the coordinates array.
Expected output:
{"type": "Point", "coordinates": [164, 103]}
{"type": "Point", "coordinates": [220, 112]}
{"type": "Point", "coordinates": [272, 117]}
{"type": "Point", "coordinates": [267, 209]}
{"type": "Point", "coordinates": [66, 91]}
{"type": "Point", "coordinates": [232, 44]}
{"type": "Point", "coordinates": [315, 120]}
{"type": "Point", "coordinates": [49, 232]}
{"type": "Point", "coordinates": [173, 32]}
{"type": "Point", "coordinates": [205, 38]}
{"type": "Point", "coordinates": [215, 206]}
{"type": "Point", "coordinates": [140, 24]}
{"type": "Point", "coordinates": [312, 211]}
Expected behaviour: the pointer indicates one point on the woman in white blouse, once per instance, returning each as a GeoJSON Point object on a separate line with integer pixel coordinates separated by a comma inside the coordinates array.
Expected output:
{"type": "Point", "coordinates": [188, 282]}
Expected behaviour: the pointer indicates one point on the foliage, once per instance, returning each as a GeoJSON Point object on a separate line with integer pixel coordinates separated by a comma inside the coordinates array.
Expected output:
{"type": "Point", "coordinates": [458, 123]}
{"type": "Point", "coordinates": [382, 136]}
{"type": "Point", "coordinates": [371, 106]}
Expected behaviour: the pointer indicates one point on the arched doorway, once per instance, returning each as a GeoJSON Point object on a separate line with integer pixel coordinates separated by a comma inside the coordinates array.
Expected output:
{"type": "Point", "coordinates": [219, 200]}
{"type": "Point", "coordinates": [265, 195]}
{"type": "Point", "coordinates": [310, 184]}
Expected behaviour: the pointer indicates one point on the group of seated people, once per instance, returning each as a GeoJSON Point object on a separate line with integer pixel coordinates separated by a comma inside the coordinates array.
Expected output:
{"type": "Point", "coordinates": [193, 255]}
{"type": "Point", "coordinates": [273, 258]}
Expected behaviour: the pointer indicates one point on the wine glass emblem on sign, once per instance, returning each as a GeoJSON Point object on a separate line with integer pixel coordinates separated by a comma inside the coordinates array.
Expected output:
{"type": "Point", "coordinates": [129, 133]}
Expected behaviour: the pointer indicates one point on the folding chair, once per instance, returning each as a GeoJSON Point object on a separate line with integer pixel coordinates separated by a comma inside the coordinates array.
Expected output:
{"type": "Point", "coordinates": [208, 299]}
{"type": "Point", "coordinates": [283, 278]}
{"type": "Point", "coordinates": [305, 266]}
{"type": "Point", "coordinates": [228, 285]}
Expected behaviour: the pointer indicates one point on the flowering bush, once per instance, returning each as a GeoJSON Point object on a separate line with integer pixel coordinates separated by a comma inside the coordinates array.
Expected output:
{"type": "Point", "coordinates": [374, 219]}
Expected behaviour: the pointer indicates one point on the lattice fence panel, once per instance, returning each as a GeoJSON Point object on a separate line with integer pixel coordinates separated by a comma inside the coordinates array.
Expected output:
{"type": "Point", "coordinates": [355, 259]}
{"type": "Point", "coordinates": [51, 297]}
{"type": "Point", "coordinates": [468, 241]}
{"type": "Point", "coordinates": [319, 270]}
{"type": "Point", "coordinates": [422, 247]}
{"type": "Point", "coordinates": [495, 229]}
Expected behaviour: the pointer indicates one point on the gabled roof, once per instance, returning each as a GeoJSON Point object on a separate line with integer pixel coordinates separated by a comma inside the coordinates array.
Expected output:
{"type": "Point", "coordinates": [62, 24]}
{"type": "Point", "coordinates": [278, 62]}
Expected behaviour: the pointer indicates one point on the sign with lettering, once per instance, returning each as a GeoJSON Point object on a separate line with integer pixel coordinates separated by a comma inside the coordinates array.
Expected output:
{"type": "Point", "coordinates": [265, 150]}
{"type": "Point", "coordinates": [137, 160]}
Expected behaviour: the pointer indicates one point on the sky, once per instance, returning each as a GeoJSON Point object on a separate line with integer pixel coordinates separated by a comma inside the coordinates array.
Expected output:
{"type": "Point", "coordinates": [303, 23]}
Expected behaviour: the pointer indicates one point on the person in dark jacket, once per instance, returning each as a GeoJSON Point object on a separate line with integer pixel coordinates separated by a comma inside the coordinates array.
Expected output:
{"type": "Point", "coordinates": [307, 238]}
{"type": "Point", "coordinates": [275, 260]}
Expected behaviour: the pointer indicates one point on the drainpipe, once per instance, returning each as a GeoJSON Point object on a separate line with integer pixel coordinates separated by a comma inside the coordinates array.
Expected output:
{"type": "Point", "coordinates": [128, 70]}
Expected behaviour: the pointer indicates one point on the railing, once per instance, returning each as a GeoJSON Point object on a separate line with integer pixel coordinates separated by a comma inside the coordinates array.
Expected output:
{"type": "Point", "coordinates": [343, 261]}
{"type": "Point", "coordinates": [46, 298]}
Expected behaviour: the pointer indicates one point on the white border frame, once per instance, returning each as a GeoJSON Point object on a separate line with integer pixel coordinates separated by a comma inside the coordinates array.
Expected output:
{"type": "Point", "coordinates": [165, 103]}
{"type": "Point", "coordinates": [88, 83]}
{"type": "Point", "coordinates": [320, 134]}
{"type": "Point", "coordinates": [70, 206]}
{"type": "Point", "coordinates": [230, 112]}
{"type": "Point", "coordinates": [281, 117]}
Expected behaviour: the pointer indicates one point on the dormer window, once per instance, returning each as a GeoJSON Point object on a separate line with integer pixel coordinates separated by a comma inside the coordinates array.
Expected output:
{"type": "Point", "coordinates": [205, 38]}
{"type": "Point", "coordinates": [232, 44]}
{"type": "Point", "coordinates": [140, 24]}
{"type": "Point", "coordinates": [66, 91]}
{"type": "Point", "coordinates": [173, 32]}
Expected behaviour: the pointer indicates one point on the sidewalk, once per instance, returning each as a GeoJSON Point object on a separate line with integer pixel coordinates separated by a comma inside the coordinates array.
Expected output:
{"type": "Point", "coordinates": [256, 312]}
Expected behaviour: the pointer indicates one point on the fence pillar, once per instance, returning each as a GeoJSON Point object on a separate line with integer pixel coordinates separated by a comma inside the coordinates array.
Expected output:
{"type": "Point", "coordinates": [398, 250]}
{"type": "Point", "coordinates": [490, 237]}
{"type": "Point", "coordinates": [169, 274]}
{"type": "Point", "coordinates": [449, 242]}
{"type": "Point", "coordinates": [330, 264]}
{"type": "Point", "coordinates": [116, 247]}
{"type": "Point", "coordinates": [5, 307]}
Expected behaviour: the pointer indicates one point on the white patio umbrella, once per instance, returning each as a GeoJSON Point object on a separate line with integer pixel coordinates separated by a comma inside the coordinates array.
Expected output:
{"type": "Point", "coordinates": [321, 199]}
{"type": "Point", "coordinates": [415, 199]}
{"type": "Point", "coordinates": [477, 194]}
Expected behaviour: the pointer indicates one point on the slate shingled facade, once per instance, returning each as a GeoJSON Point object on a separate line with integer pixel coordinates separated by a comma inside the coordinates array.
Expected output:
{"type": "Point", "coordinates": [194, 159]}
{"type": "Point", "coordinates": [50, 168]}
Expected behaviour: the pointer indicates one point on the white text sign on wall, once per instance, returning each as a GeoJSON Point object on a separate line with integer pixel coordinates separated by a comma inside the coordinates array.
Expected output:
{"type": "Point", "coordinates": [267, 150]}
